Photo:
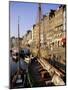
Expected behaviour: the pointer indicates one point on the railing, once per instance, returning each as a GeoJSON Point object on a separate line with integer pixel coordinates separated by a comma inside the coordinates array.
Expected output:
{"type": "Point", "coordinates": [55, 74]}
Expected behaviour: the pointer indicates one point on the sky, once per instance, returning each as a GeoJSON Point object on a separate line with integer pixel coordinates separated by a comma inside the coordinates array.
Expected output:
{"type": "Point", "coordinates": [27, 13]}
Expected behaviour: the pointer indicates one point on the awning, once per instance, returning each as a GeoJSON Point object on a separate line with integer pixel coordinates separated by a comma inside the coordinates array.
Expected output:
{"type": "Point", "coordinates": [63, 39]}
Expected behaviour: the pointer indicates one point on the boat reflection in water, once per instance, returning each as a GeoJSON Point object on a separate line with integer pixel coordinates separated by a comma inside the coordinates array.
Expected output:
{"type": "Point", "coordinates": [19, 70]}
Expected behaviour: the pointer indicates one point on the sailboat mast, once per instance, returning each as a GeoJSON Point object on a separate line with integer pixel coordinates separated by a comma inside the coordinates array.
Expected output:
{"type": "Point", "coordinates": [39, 28]}
{"type": "Point", "coordinates": [18, 44]}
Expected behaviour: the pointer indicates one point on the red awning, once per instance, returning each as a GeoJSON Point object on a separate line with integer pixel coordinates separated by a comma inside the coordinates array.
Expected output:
{"type": "Point", "coordinates": [63, 40]}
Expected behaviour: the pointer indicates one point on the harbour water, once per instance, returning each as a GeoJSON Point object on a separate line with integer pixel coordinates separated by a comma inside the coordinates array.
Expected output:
{"type": "Point", "coordinates": [15, 65]}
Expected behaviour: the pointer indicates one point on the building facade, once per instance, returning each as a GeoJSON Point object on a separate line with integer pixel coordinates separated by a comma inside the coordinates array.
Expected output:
{"type": "Point", "coordinates": [53, 28]}
{"type": "Point", "coordinates": [35, 35]}
{"type": "Point", "coordinates": [27, 39]}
